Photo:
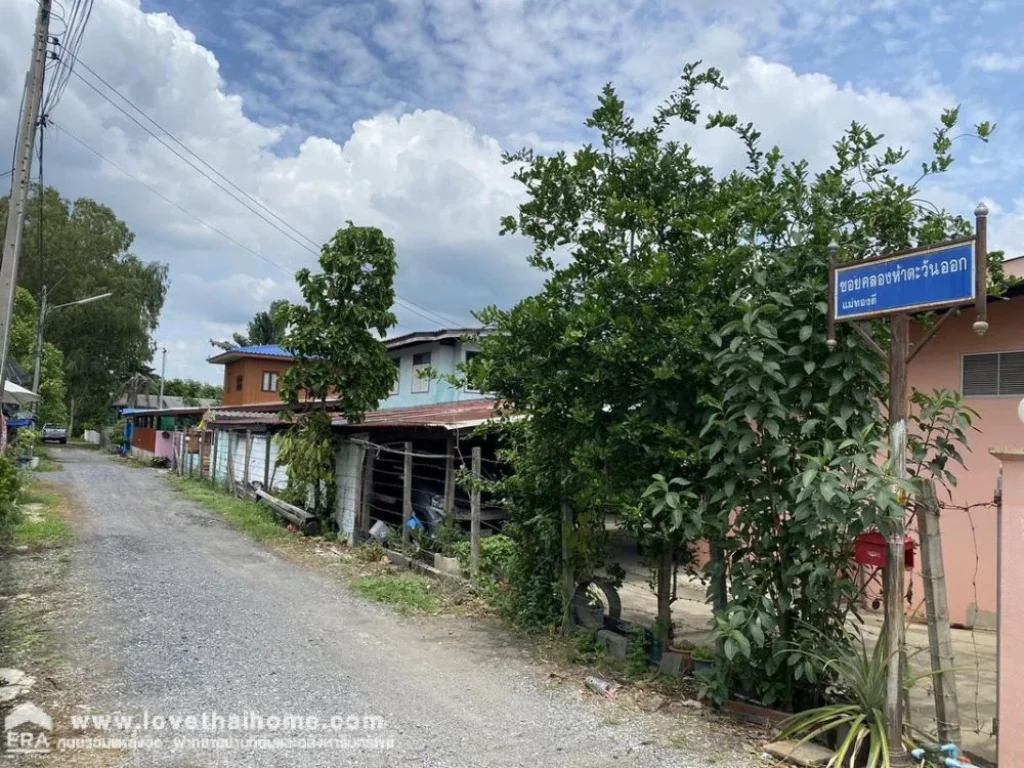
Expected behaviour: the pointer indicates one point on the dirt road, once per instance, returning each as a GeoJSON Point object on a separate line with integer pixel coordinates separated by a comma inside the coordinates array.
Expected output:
{"type": "Point", "coordinates": [180, 616]}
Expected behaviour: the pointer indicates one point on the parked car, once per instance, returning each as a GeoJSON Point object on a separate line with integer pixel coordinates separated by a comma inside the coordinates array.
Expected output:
{"type": "Point", "coordinates": [428, 507]}
{"type": "Point", "coordinates": [55, 433]}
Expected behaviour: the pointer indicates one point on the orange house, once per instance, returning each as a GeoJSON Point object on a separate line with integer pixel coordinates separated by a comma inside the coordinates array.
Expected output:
{"type": "Point", "coordinates": [252, 374]}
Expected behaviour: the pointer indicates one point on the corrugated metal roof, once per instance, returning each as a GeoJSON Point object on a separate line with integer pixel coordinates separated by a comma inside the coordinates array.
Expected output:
{"type": "Point", "coordinates": [254, 350]}
{"type": "Point", "coordinates": [421, 337]}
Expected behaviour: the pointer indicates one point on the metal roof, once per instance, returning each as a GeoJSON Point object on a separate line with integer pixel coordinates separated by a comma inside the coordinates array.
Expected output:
{"type": "Point", "coordinates": [421, 337]}
{"type": "Point", "coordinates": [254, 350]}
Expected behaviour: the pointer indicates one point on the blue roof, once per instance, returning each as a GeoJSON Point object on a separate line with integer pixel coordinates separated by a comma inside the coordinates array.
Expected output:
{"type": "Point", "coordinates": [254, 350]}
{"type": "Point", "coordinates": [270, 350]}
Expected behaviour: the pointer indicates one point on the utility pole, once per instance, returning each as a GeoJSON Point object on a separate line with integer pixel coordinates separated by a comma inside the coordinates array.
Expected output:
{"type": "Point", "coordinates": [163, 370]}
{"type": "Point", "coordinates": [21, 177]}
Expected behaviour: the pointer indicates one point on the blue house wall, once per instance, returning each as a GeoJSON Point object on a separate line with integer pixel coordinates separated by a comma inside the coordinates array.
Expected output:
{"type": "Point", "coordinates": [444, 359]}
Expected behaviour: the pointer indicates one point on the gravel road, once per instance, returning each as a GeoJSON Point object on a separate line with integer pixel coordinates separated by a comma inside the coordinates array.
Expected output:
{"type": "Point", "coordinates": [180, 615]}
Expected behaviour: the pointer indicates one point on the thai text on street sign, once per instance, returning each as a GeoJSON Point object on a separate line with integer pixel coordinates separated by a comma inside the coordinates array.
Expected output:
{"type": "Point", "coordinates": [936, 276]}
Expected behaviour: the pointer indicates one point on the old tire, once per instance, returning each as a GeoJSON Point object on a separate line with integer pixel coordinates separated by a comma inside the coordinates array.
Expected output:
{"type": "Point", "coordinates": [583, 611]}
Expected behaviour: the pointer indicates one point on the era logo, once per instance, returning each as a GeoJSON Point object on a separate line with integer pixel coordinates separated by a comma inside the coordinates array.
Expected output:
{"type": "Point", "coordinates": [27, 741]}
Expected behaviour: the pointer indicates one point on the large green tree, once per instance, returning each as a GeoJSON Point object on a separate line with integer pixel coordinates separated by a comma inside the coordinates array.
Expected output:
{"type": "Point", "coordinates": [52, 406]}
{"type": "Point", "coordinates": [86, 251]}
{"type": "Point", "coordinates": [634, 235]}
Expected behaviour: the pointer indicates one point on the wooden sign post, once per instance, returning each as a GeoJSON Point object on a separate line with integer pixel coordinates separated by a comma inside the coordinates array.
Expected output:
{"type": "Point", "coordinates": [942, 276]}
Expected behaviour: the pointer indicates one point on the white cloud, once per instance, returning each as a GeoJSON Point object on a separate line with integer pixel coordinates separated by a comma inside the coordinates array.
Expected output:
{"type": "Point", "coordinates": [413, 123]}
{"type": "Point", "coordinates": [998, 62]}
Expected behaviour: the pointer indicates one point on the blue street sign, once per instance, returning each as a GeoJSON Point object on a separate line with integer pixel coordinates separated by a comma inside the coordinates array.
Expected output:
{"type": "Point", "coordinates": [928, 278]}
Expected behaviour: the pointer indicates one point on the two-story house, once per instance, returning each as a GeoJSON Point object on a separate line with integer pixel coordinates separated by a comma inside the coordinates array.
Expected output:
{"type": "Point", "coordinates": [252, 375]}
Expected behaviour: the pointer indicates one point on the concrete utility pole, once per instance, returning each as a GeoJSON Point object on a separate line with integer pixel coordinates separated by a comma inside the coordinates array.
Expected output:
{"type": "Point", "coordinates": [21, 177]}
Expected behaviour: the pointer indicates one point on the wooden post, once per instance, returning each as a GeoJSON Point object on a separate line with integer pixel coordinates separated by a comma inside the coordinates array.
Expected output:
{"type": "Point", "coordinates": [719, 580]}
{"type": "Point", "coordinates": [229, 464]}
{"type": "Point", "coordinates": [267, 440]}
{"type": "Point", "coordinates": [893, 586]}
{"type": "Point", "coordinates": [363, 524]}
{"type": "Point", "coordinates": [940, 638]}
{"type": "Point", "coordinates": [449, 478]}
{"type": "Point", "coordinates": [474, 515]}
{"type": "Point", "coordinates": [568, 579]}
{"type": "Point", "coordinates": [407, 494]}
{"type": "Point", "coordinates": [666, 567]}
{"type": "Point", "coordinates": [214, 455]}
{"type": "Point", "coordinates": [248, 458]}
{"type": "Point", "coordinates": [202, 453]}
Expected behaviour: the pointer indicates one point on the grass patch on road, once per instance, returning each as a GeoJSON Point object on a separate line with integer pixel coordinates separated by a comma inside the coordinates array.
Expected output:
{"type": "Point", "coordinates": [252, 519]}
{"type": "Point", "coordinates": [43, 516]}
{"type": "Point", "coordinates": [407, 592]}
{"type": "Point", "coordinates": [47, 462]}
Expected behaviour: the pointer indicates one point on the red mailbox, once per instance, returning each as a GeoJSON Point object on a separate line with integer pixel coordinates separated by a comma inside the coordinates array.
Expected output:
{"type": "Point", "coordinates": [871, 550]}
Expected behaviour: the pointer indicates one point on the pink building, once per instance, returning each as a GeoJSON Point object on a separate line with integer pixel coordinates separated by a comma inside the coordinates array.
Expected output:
{"type": "Point", "coordinates": [989, 371]}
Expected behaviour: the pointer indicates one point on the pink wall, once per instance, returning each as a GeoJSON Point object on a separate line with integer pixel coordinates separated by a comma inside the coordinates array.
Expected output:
{"type": "Point", "coordinates": [164, 445]}
{"type": "Point", "coordinates": [969, 539]}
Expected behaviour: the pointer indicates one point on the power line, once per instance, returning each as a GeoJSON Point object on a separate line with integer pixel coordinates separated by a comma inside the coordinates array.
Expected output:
{"type": "Point", "coordinates": [167, 200]}
{"type": "Point", "coordinates": [431, 315]}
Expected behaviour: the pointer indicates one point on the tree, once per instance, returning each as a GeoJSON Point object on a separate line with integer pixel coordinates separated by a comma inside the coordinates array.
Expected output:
{"type": "Point", "coordinates": [794, 430]}
{"type": "Point", "coordinates": [192, 389]}
{"type": "Point", "coordinates": [52, 406]}
{"type": "Point", "coordinates": [87, 251]}
{"type": "Point", "coordinates": [266, 327]}
{"type": "Point", "coordinates": [336, 339]}
{"type": "Point", "coordinates": [607, 362]}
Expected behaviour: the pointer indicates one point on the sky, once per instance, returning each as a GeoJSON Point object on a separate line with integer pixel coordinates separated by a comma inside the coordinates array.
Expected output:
{"type": "Point", "coordinates": [395, 113]}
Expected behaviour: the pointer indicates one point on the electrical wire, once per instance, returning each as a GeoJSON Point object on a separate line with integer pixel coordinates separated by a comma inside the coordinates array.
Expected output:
{"type": "Point", "coordinates": [262, 211]}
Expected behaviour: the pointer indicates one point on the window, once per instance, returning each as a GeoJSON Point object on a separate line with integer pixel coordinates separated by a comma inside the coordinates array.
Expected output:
{"type": "Point", "coordinates": [398, 373]}
{"type": "Point", "coordinates": [420, 362]}
{"type": "Point", "coordinates": [993, 374]}
{"type": "Point", "coordinates": [238, 383]}
{"type": "Point", "coordinates": [470, 354]}
{"type": "Point", "coordinates": [270, 381]}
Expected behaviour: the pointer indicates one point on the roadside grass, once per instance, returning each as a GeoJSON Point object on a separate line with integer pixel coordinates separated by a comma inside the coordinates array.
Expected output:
{"type": "Point", "coordinates": [407, 592]}
{"type": "Point", "coordinates": [43, 520]}
{"type": "Point", "coordinates": [252, 519]}
{"type": "Point", "coordinates": [46, 461]}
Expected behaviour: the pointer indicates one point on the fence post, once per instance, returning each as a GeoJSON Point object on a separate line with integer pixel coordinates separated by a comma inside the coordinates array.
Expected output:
{"type": "Point", "coordinates": [267, 440]}
{"type": "Point", "coordinates": [940, 638]}
{"type": "Point", "coordinates": [229, 465]}
{"type": "Point", "coordinates": [568, 580]}
{"type": "Point", "coordinates": [449, 478]}
{"type": "Point", "coordinates": [214, 455]}
{"type": "Point", "coordinates": [474, 515]}
{"type": "Point", "coordinates": [203, 448]}
{"type": "Point", "coordinates": [407, 494]}
{"type": "Point", "coordinates": [363, 524]}
{"type": "Point", "coordinates": [248, 458]}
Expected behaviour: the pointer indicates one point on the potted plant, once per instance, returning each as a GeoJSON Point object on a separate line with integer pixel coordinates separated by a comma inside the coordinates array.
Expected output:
{"type": "Point", "coordinates": [677, 660]}
{"type": "Point", "coordinates": [27, 441]}
{"type": "Point", "coordinates": [703, 659]}
{"type": "Point", "coordinates": [854, 723]}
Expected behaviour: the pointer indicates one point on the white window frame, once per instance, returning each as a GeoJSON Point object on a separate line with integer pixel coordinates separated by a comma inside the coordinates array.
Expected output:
{"type": "Point", "coordinates": [271, 381]}
{"type": "Point", "coordinates": [465, 359]}
{"type": "Point", "coordinates": [963, 363]}
{"type": "Point", "coordinates": [396, 388]}
{"type": "Point", "coordinates": [420, 386]}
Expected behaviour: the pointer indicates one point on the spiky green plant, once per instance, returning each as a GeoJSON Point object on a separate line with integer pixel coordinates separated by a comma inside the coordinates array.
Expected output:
{"type": "Point", "coordinates": [859, 673]}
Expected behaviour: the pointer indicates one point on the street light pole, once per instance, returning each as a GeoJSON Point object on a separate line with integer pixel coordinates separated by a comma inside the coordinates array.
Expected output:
{"type": "Point", "coordinates": [43, 311]}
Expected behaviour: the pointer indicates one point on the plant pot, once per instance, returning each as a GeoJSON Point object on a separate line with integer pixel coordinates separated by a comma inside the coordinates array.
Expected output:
{"type": "Point", "coordinates": [676, 662]}
{"type": "Point", "coordinates": [703, 666]}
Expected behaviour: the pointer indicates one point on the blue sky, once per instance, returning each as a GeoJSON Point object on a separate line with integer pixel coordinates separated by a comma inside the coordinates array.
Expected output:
{"type": "Point", "coordinates": [395, 113]}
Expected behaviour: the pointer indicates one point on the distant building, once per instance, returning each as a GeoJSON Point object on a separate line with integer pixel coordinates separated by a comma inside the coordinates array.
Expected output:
{"type": "Point", "coordinates": [252, 375]}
